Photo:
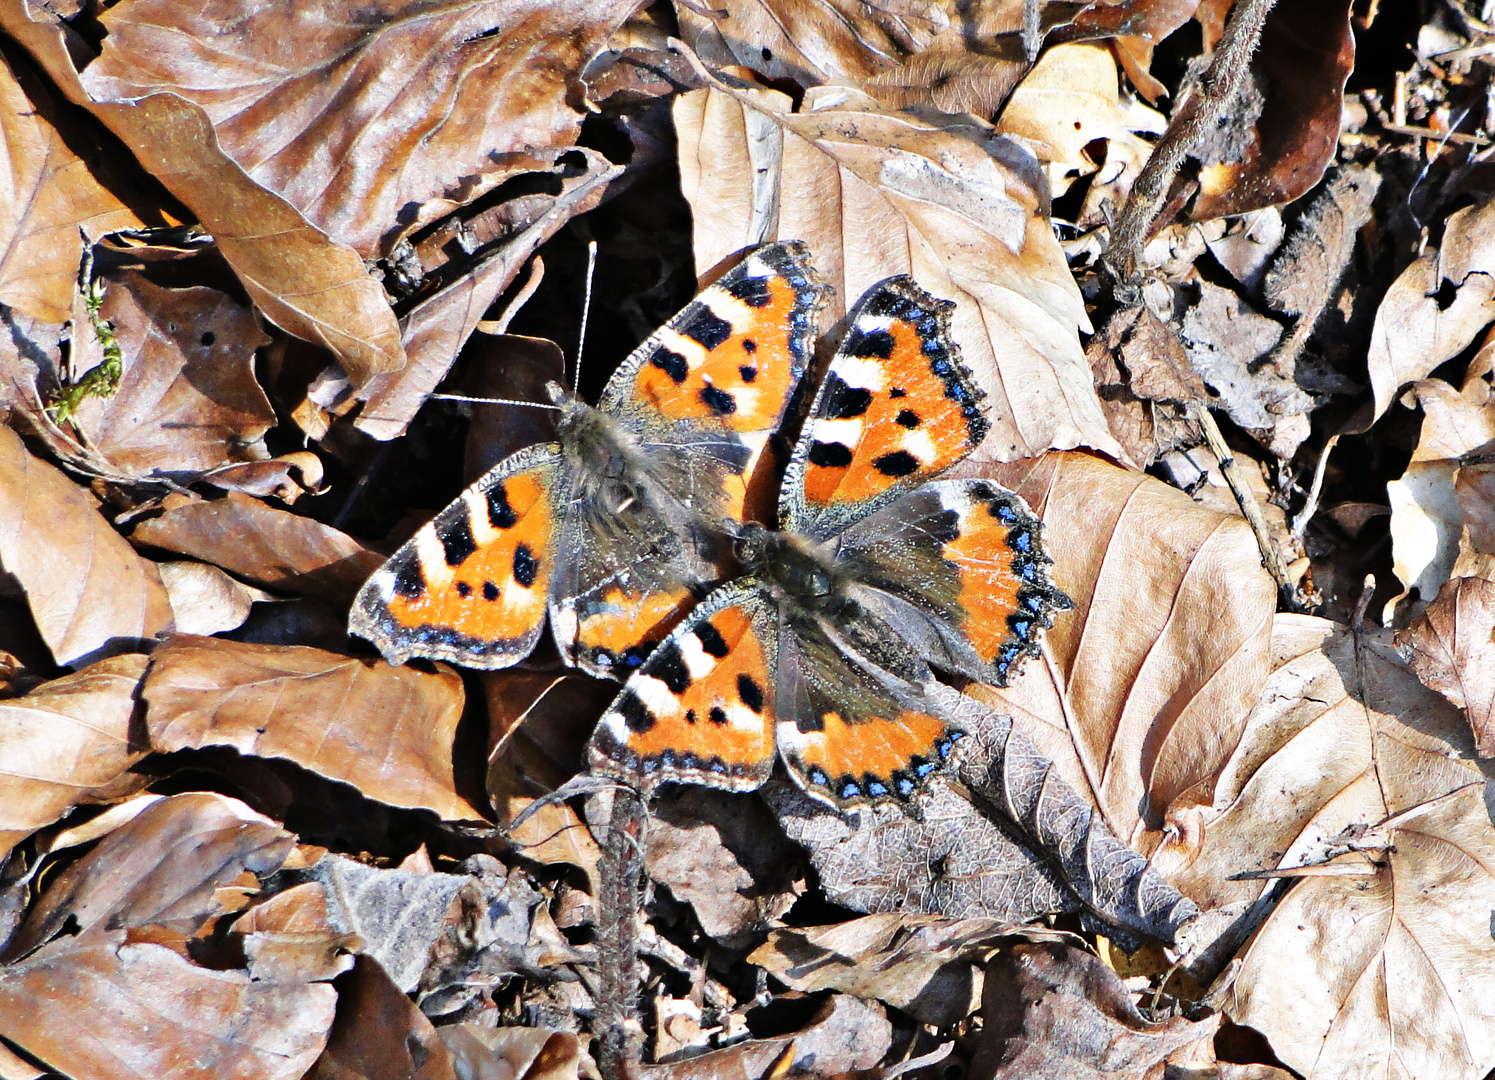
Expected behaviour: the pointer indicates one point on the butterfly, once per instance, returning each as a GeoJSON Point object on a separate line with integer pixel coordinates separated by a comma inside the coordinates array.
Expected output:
{"type": "Point", "coordinates": [612, 530]}
{"type": "Point", "coordinates": [823, 654]}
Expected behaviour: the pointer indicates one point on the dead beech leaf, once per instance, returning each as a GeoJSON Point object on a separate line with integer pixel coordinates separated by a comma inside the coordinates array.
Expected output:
{"type": "Point", "coordinates": [1453, 652]}
{"type": "Point", "coordinates": [1055, 1012]}
{"type": "Point", "coordinates": [270, 547]}
{"type": "Point", "coordinates": [51, 197]}
{"type": "Point", "coordinates": [1146, 685]}
{"type": "Point", "coordinates": [64, 741]}
{"type": "Point", "coordinates": [187, 399]}
{"type": "Point", "coordinates": [290, 937]}
{"type": "Point", "coordinates": [84, 584]}
{"type": "Point", "coordinates": [99, 1023]}
{"type": "Point", "coordinates": [159, 868]}
{"type": "Point", "coordinates": [1306, 54]}
{"type": "Point", "coordinates": [1417, 329]}
{"type": "Point", "coordinates": [1387, 971]}
{"type": "Point", "coordinates": [379, 1033]}
{"type": "Point", "coordinates": [524, 1053]}
{"type": "Point", "coordinates": [300, 280]}
{"type": "Point", "coordinates": [205, 600]}
{"type": "Point", "coordinates": [926, 965]}
{"type": "Point", "coordinates": [387, 731]}
{"type": "Point", "coordinates": [875, 193]}
{"type": "Point", "coordinates": [370, 125]}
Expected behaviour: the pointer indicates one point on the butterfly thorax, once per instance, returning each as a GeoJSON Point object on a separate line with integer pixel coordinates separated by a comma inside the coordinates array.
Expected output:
{"type": "Point", "coordinates": [796, 569]}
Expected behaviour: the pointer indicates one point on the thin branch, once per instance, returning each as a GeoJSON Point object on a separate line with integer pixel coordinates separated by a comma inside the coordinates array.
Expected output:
{"type": "Point", "coordinates": [1196, 116]}
{"type": "Point", "coordinates": [616, 1023]}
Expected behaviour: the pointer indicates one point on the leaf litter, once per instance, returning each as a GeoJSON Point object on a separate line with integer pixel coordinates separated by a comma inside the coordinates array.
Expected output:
{"type": "Point", "coordinates": [242, 250]}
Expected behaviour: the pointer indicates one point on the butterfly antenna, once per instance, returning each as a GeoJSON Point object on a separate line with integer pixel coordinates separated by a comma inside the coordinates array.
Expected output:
{"type": "Point", "coordinates": [493, 401]}
{"type": "Point", "coordinates": [586, 308]}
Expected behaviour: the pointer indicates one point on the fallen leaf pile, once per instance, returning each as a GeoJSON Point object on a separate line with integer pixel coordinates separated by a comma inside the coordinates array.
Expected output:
{"type": "Point", "coordinates": [277, 281]}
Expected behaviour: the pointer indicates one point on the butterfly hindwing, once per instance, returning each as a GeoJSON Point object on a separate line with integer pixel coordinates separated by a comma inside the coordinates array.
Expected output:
{"type": "Point", "coordinates": [701, 708]}
{"type": "Point", "coordinates": [897, 407]}
{"type": "Point", "coordinates": [471, 585]}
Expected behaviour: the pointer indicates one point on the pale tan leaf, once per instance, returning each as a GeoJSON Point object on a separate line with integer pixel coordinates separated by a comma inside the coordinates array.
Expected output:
{"type": "Point", "coordinates": [386, 730]}
{"type": "Point", "coordinates": [64, 740]}
{"type": "Point", "coordinates": [87, 589]}
{"type": "Point", "coordinates": [1452, 646]}
{"type": "Point", "coordinates": [875, 193]}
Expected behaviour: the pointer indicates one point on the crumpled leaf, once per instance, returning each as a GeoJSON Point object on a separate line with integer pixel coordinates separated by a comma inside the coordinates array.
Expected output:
{"type": "Point", "coordinates": [386, 730]}
{"type": "Point", "coordinates": [875, 193]}
{"type": "Point", "coordinates": [303, 282]}
{"type": "Point", "coordinates": [1145, 687]}
{"type": "Point", "coordinates": [64, 742]}
{"type": "Point", "coordinates": [372, 123]}
{"type": "Point", "coordinates": [1055, 1012]}
{"type": "Point", "coordinates": [270, 547]}
{"type": "Point", "coordinates": [85, 586]}
{"type": "Point", "coordinates": [1416, 329]}
{"type": "Point", "coordinates": [51, 198]}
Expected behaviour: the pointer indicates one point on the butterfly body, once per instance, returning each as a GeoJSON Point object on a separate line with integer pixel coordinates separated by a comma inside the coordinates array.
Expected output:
{"type": "Point", "coordinates": [612, 530]}
{"type": "Point", "coordinates": [823, 654]}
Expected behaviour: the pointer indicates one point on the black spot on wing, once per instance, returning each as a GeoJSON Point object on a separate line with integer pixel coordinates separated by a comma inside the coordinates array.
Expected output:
{"type": "Point", "coordinates": [718, 401]}
{"type": "Point", "coordinates": [907, 418]}
{"type": "Point", "coordinates": [490, 591]}
{"type": "Point", "coordinates": [868, 344]}
{"type": "Point", "coordinates": [409, 581]}
{"type": "Point", "coordinates": [844, 401]}
{"type": "Point", "coordinates": [830, 455]}
{"type": "Point", "coordinates": [455, 534]}
{"type": "Point", "coordinates": [711, 640]}
{"type": "Point", "coordinates": [897, 392]}
{"type": "Point", "coordinates": [749, 346]}
{"type": "Point", "coordinates": [636, 715]}
{"type": "Point", "coordinates": [701, 324]}
{"type": "Point", "coordinates": [500, 514]}
{"type": "Point", "coordinates": [749, 692]}
{"type": "Point", "coordinates": [717, 716]}
{"type": "Point", "coordinates": [752, 291]}
{"type": "Point", "coordinates": [944, 527]}
{"type": "Point", "coordinates": [748, 373]}
{"type": "Point", "coordinates": [898, 463]}
{"type": "Point", "coordinates": [464, 590]}
{"type": "Point", "coordinates": [668, 666]}
{"type": "Point", "coordinates": [671, 363]}
{"type": "Point", "coordinates": [526, 566]}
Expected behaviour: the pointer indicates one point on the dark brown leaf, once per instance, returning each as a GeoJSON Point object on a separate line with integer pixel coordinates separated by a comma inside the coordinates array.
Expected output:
{"type": "Point", "coordinates": [379, 1034]}
{"type": "Point", "coordinates": [388, 731]}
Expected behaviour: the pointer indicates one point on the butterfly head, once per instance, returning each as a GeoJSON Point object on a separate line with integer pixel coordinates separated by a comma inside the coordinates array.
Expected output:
{"type": "Point", "coordinates": [793, 566]}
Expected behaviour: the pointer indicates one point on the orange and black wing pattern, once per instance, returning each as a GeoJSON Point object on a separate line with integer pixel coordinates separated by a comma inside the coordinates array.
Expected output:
{"type": "Point", "coordinates": [471, 586]}
{"type": "Point", "coordinates": [897, 407]}
{"type": "Point", "coordinates": [701, 708]}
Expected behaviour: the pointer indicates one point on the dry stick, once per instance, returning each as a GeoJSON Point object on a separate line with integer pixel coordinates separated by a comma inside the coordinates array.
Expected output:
{"type": "Point", "coordinates": [1203, 109]}
{"type": "Point", "coordinates": [616, 1022]}
{"type": "Point", "coordinates": [1271, 558]}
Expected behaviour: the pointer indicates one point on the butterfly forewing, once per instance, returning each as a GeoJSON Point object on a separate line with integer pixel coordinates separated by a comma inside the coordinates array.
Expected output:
{"type": "Point", "coordinates": [897, 407]}
{"type": "Point", "coordinates": [701, 708]}
{"type": "Point", "coordinates": [471, 585]}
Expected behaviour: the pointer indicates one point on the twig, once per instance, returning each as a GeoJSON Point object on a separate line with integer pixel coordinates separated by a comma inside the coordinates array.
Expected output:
{"type": "Point", "coordinates": [1271, 558]}
{"type": "Point", "coordinates": [1211, 96]}
{"type": "Point", "coordinates": [616, 1022]}
{"type": "Point", "coordinates": [1310, 507]}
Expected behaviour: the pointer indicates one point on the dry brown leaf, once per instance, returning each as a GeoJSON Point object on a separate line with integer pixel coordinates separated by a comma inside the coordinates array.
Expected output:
{"type": "Point", "coordinates": [63, 742]}
{"type": "Point", "coordinates": [1055, 1012]}
{"type": "Point", "coordinates": [193, 1020]}
{"type": "Point", "coordinates": [926, 965]}
{"type": "Point", "coordinates": [290, 937]}
{"type": "Point", "coordinates": [1452, 647]}
{"type": "Point", "coordinates": [371, 125]}
{"type": "Point", "coordinates": [205, 600]}
{"type": "Point", "coordinates": [1388, 969]}
{"type": "Point", "coordinates": [86, 588]}
{"type": "Point", "coordinates": [187, 399]}
{"type": "Point", "coordinates": [523, 1053]}
{"type": "Point", "coordinates": [875, 193]}
{"type": "Point", "coordinates": [1416, 327]}
{"type": "Point", "coordinates": [303, 282]}
{"type": "Point", "coordinates": [386, 730]}
{"type": "Point", "coordinates": [270, 547]}
{"type": "Point", "coordinates": [51, 199]}
{"type": "Point", "coordinates": [379, 1033]}
{"type": "Point", "coordinates": [161, 867]}
{"type": "Point", "coordinates": [1144, 688]}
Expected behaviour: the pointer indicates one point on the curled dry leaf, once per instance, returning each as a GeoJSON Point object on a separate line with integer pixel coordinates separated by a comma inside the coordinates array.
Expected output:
{"type": "Point", "coordinates": [64, 742]}
{"type": "Point", "coordinates": [51, 200]}
{"type": "Point", "coordinates": [205, 600]}
{"type": "Point", "coordinates": [386, 730]}
{"type": "Point", "coordinates": [1144, 688]}
{"type": "Point", "coordinates": [270, 547]}
{"type": "Point", "coordinates": [875, 193]}
{"type": "Point", "coordinates": [1055, 1012]}
{"type": "Point", "coordinates": [371, 124]}
{"type": "Point", "coordinates": [187, 400]}
{"type": "Point", "coordinates": [1417, 328]}
{"type": "Point", "coordinates": [86, 588]}
{"type": "Point", "coordinates": [162, 867]}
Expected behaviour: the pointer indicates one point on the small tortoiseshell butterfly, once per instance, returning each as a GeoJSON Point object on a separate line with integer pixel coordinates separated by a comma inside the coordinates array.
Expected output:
{"type": "Point", "coordinates": [822, 653]}
{"type": "Point", "coordinates": [613, 527]}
